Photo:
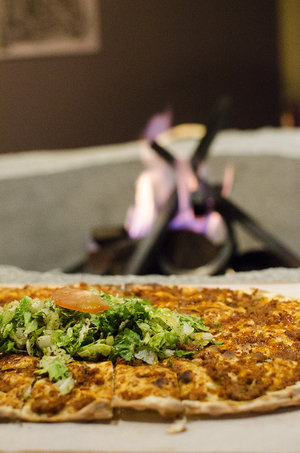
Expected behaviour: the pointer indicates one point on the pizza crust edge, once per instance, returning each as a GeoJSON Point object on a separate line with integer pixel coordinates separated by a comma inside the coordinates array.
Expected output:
{"type": "Point", "coordinates": [165, 406]}
{"type": "Point", "coordinates": [95, 411]}
{"type": "Point", "coordinates": [287, 397]}
{"type": "Point", "coordinates": [290, 396]}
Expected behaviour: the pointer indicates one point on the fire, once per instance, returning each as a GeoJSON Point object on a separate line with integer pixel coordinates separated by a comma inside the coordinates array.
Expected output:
{"type": "Point", "coordinates": [210, 224]}
{"type": "Point", "coordinates": [153, 188]}
{"type": "Point", "coordinates": [156, 183]}
{"type": "Point", "coordinates": [141, 216]}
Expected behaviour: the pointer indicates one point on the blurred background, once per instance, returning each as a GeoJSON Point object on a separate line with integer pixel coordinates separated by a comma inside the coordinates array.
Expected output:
{"type": "Point", "coordinates": [154, 55]}
{"type": "Point", "coordinates": [80, 80]}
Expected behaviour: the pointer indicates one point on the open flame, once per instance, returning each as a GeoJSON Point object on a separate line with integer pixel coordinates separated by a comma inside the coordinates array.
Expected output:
{"type": "Point", "coordinates": [141, 216]}
{"type": "Point", "coordinates": [155, 185]}
{"type": "Point", "coordinates": [152, 189]}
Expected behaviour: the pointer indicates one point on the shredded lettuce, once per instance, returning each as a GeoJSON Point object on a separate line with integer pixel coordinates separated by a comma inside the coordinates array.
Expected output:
{"type": "Point", "coordinates": [56, 369]}
{"type": "Point", "coordinates": [131, 329]}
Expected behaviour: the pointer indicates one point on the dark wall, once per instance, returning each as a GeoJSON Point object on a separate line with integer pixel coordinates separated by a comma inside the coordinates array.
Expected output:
{"type": "Point", "coordinates": [155, 54]}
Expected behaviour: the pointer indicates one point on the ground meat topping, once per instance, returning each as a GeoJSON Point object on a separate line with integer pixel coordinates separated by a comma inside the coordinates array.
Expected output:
{"type": "Point", "coordinates": [87, 376]}
{"type": "Point", "coordinates": [245, 388]}
{"type": "Point", "coordinates": [293, 334]}
{"type": "Point", "coordinates": [258, 356]}
{"type": "Point", "coordinates": [186, 377]}
{"type": "Point", "coordinates": [82, 402]}
{"type": "Point", "coordinates": [131, 395]}
{"type": "Point", "coordinates": [48, 406]}
{"type": "Point", "coordinates": [287, 354]}
{"type": "Point", "coordinates": [161, 382]}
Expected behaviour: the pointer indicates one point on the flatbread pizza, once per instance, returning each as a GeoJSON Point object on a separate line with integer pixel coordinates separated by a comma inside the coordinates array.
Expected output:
{"type": "Point", "coordinates": [85, 353]}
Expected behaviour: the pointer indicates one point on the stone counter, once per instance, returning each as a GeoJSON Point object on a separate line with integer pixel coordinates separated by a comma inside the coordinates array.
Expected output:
{"type": "Point", "coordinates": [51, 200]}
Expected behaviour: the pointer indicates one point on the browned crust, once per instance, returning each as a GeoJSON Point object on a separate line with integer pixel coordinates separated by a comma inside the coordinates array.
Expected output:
{"type": "Point", "coordinates": [95, 411]}
{"type": "Point", "coordinates": [147, 387]}
{"type": "Point", "coordinates": [8, 413]}
{"type": "Point", "coordinates": [165, 405]}
{"type": "Point", "coordinates": [290, 396]}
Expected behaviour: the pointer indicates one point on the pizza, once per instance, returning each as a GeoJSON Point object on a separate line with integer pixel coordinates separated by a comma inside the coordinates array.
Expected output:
{"type": "Point", "coordinates": [86, 353]}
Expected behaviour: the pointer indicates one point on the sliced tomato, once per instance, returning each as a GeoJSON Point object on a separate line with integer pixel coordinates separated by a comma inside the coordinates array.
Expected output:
{"type": "Point", "coordinates": [78, 299]}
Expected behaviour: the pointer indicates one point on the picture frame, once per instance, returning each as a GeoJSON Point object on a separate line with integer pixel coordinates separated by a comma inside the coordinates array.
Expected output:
{"type": "Point", "coordinates": [43, 28]}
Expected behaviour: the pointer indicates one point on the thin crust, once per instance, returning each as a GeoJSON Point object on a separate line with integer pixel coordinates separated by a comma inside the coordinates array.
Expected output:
{"type": "Point", "coordinates": [147, 387]}
{"type": "Point", "coordinates": [255, 368]}
{"type": "Point", "coordinates": [25, 396]}
{"type": "Point", "coordinates": [165, 406]}
{"type": "Point", "coordinates": [89, 400]}
{"type": "Point", "coordinates": [287, 397]}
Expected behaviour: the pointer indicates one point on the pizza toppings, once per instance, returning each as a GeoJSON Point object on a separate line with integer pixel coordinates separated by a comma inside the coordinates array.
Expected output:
{"type": "Point", "coordinates": [90, 398]}
{"type": "Point", "coordinates": [142, 387]}
{"type": "Point", "coordinates": [80, 300]}
{"type": "Point", "coordinates": [158, 352]}
{"type": "Point", "coordinates": [131, 329]}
